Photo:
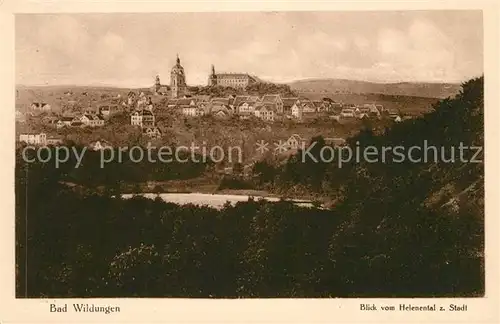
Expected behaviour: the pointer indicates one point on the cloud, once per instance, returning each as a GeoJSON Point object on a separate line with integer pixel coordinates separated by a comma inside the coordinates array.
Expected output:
{"type": "Point", "coordinates": [392, 42]}
{"type": "Point", "coordinates": [63, 34]}
{"type": "Point", "coordinates": [420, 52]}
{"type": "Point", "coordinates": [276, 46]}
{"type": "Point", "coordinates": [112, 44]}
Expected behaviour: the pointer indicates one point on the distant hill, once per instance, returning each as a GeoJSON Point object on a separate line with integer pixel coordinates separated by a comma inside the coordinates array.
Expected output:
{"type": "Point", "coordinates": [417, 89]}
{"type": "Point", "coordinates": [61, 96]}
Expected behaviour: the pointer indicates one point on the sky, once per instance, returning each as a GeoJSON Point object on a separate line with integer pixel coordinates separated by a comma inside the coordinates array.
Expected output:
{"type": "Point", "coordinates": [129, 50]}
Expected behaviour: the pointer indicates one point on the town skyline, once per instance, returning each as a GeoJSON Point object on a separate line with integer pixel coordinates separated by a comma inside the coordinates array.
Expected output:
{"type": "Point", "coordinates": [100, 49]}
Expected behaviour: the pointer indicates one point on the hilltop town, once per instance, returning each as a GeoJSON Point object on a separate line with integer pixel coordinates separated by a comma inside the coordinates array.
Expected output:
{"type": "Point", "coordinates": [177, 112]}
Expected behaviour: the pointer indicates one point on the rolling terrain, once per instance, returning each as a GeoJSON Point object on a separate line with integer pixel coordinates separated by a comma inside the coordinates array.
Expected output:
{"type": "Point", "coordinates": [341, 86]}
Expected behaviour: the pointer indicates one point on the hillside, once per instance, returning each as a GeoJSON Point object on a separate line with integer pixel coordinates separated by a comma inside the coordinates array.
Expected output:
{"type": "Point", "coordinates": [339, 86]}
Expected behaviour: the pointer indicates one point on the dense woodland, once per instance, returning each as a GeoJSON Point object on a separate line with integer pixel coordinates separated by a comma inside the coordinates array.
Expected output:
{"type": "Point", "coordinates": [255, 89]}
{"type": "Point", "coordinates": [396, 229]}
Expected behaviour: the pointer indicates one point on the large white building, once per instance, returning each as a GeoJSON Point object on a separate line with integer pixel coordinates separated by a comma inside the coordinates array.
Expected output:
{"type": "Point", "coordinates": [234, 80]}
{"type": "Point", "coordinates": [34, 139]}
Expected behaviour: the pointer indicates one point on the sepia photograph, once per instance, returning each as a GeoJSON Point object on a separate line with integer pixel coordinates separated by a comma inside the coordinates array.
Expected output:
{"type": "Point", "coordinates": [249, 155]}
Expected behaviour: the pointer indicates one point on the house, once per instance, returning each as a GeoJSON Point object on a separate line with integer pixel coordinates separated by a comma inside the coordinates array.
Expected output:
{"type": "Point", "coordinates": [238, 100]}
{"type": "Point", "coordinates": [221, 112]}
{"type": "Point", "coordinates": [189, 111]}
{"type": "Point", "coordinates": [90, 111]}
{"type": "Point", "coordinates": [105, 111]}
{"type": "Point", "coordinates": [142, 118]}
{"type": "Point", "coordinates": [92, 120]}
{"type": "Point", "coordinates": [42, 106]}
{"type": "Point", "coordinates": [201, 111]}
{"type": "Point", "coordinates": [203, 108]}
{"type": "Point", "coordinates": [77, 121]}
{"type": "Point", "coordinates": [217, 103]}
{"type": "Point", "coordinates": [131, 97]}
{"type": "Point", "coordinates": [296, 111]}
{"type": "Point", "coordinates": [371, 110]}
{"type": "Point", "coordinates": [288, 103]}
{"type": "Point", "coordinates": [98, 121]}
{"type": "Point", "coordinates": [335, 117]}
{"type": "Point", "coordinates": [327, 105]}
{"type": "Point", "coordinates": [336, 107]}
{"type": "Point", "coordinates": [392, 112]}
{"type": "Point", "coordinates": [148, 119]}
{"type": "Point", "coordinates": [100, 145]}
{"type": "Point", "coordinates": [274, 100]}
{"type": "Point", "coordinates": [163, 90]}
{"type": "Point", "coordinates": [380, 108]}
{"type": "Point", "coordinates": [188, 106]}
{"type": "Point", "coordinates": [142, 100]}
{"type": "Point", "coordinates": [152, 132]}
{"type": "Point", "coordinates": [245, 106]}
{"type": "Point", "coordinates": [397, 119]}
{"type": "Point", "coordinates": [319, 105]}
{"type": "Point", "coordinates": [347, 113]}
{"type": "Point", "coordinates": [186, 102]}
{"type": "Point", "coordinates": [265, 111]}
{"type": "Point", "coordinates": [246, 115]}
{"type": "Point", "coordinates": [50, 120]}
{"type": "Point", "coordinates": [136, 119]}
{"type": "Point", "coordinates": [54, 141]}
{"type": "Point", "coordinates": [364, 110]}
{"type": "Point", "coordinates": [295, 142]}
{"type": "Point", "coordinates": [335, 141]}
{"type": "Point", "coordinates": [20, 117]}
{"type": "Point", "coordinates": [64, 121]}
{"type": "Point", "coordinates": [34, 139]}
{"type": "Point", "coordinates": [303, 109]}
{"type": "Point", "coordinates": [171, 103]}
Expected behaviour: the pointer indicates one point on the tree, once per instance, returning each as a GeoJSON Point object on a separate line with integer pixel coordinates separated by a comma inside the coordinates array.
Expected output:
{"type": "Point", "coordinates": [237, 168]}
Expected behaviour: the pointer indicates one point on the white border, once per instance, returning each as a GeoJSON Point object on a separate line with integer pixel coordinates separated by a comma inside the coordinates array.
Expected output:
{"type": "Point", "coordinates": [251, 311]}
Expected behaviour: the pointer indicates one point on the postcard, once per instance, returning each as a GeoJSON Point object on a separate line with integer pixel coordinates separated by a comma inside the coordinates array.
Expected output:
{"type": "Point", "coordinates": [238, 162]}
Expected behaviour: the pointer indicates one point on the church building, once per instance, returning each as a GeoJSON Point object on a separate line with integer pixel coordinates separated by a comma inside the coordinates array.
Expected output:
{"type": "Point", "coordinates": [158, 88]}
{"type": "Point", "coordinates": [178, 80]}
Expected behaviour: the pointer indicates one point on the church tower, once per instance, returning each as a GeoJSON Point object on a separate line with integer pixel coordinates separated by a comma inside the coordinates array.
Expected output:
{"type": "Point", "coordinates": [178, 80]}
{"type": "Point", "coordinates": [157, 84]}
{"type": "Point", "coordinates": [212, 79]}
